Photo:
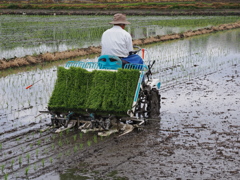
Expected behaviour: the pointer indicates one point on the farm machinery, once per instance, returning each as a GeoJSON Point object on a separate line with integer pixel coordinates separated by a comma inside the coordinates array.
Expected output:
{"type": "Point", "coordinates": [104, 96]}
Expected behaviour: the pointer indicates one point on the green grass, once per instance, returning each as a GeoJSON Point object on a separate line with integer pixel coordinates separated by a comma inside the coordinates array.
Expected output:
{"type": "Point", "coordinates": [26, 170]}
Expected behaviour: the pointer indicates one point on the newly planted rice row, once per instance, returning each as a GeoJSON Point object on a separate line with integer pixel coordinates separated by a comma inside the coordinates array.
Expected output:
{"type": "Point", "coordinates": [47, 150]}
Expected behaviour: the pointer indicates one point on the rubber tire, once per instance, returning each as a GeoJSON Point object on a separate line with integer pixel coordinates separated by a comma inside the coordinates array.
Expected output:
{"type": "Point", "coordinates": [154, 104]}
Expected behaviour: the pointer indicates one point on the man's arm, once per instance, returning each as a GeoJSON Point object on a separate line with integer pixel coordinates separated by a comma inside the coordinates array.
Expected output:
{"type": "Point", "coordinates": [129, 43]}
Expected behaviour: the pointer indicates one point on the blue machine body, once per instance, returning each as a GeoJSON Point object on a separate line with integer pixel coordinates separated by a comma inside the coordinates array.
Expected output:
{"type": "Point", "coordinates": [109, 62]}
{"type": "Point", "coordinates": [134, 59]}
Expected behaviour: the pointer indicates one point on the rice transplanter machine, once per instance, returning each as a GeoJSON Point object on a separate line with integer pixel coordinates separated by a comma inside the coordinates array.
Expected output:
{"type": "Point", "coordinates": [144, 105]}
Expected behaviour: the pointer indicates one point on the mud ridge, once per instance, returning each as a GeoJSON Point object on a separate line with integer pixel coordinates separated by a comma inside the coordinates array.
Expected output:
{"type": "Point", "coordinates": [47, 57]}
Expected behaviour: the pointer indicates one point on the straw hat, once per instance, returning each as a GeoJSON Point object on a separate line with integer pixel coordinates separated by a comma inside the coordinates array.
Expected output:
{"type": "Point", "coordinates": [119, 19]}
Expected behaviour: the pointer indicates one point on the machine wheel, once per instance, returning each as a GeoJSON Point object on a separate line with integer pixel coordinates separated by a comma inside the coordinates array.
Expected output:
{"type": "Point", "coordinates": [141, 108]}
{"type": "Point", "coordinates": [154, 104]}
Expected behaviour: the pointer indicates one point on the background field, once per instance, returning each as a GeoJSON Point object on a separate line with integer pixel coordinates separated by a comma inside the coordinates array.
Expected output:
{"type": "Point", "coordinates": [119, 4]}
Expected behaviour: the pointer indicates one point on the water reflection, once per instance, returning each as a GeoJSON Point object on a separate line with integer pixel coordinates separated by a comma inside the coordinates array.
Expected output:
{"type": "Point", "coordinates": [154, 30]}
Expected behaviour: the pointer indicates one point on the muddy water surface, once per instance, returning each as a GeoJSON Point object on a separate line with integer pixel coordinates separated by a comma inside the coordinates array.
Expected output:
{"type": "Point", "coordinates": [196, 137]}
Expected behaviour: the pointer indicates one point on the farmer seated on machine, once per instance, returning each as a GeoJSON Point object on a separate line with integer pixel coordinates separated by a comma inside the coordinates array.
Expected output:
{"type": "Point", "coordinates": [118, 42]}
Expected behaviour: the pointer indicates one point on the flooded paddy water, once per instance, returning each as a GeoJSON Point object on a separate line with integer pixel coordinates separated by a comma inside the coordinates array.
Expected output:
{"type": "Point", "coordinates": [196, 136]}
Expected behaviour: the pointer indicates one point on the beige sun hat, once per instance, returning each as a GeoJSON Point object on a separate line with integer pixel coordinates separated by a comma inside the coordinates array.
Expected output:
{"type": "Point", "coordinates": [119, 19]}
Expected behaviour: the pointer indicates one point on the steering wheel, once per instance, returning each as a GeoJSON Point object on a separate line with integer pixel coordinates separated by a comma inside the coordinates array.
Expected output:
{"type": "Point", "coordinates": [135, 51]}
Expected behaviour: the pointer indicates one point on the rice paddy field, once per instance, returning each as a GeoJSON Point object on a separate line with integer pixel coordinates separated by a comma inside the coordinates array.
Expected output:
{"type": "Point", "coordinates": [196, 137]}
{"type": "Point", "coordinates": [23, 35]}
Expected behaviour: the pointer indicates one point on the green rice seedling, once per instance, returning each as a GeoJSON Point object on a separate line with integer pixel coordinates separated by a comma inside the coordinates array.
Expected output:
{"type": "Point", "coordinates": [98, 98]}
{"type": "Point", "coordinates": [6, 176]}
{"type": "Point", "coordinates": [59, 155]}
{"type": "Point", "coordinates": [20, 160]}
{"type": "Point", "coordinates": [2, 167]}
{"type": "Point", "coordinates": [26, 170]}
{"type": "Point", "coordinates": [28, 157]}
{"type": "Point", "coordinates": [0, 146]}
{"type": "Point", "coordinates": [68, 153]}
{"type": "Point", "coordinates": [53, 146]}
{"type": "Point", "coordinates": [29, 103]}
{"type": "Point", "coordinates": [45, 151]}
{"type": "Point", "coordinates": [89, 143]}
{"type": "Point", "coordinates": [43, 162]}
{"type": "Point", "coordinates": [67, 131]}
{"type": "Point", "coordinates": [60, 143]}
{"type": "Point", "coordinates": [37, 152]}
{"type": "Point", "coordinates": [67, 141]}
{"type": "Point", "coordinates": [53, 137]}
{"type": "Point", "coordinates": [75, 148]}
{"type": "Point", "coordinates": [80, 135]}
{"type": "Point", "coordinates": [35, 167]}
{"type": "Point", "coordinates": [12, 162]}
{"type": "Point", "coordinates": [81, 146]}
{"type": "Point", "coordinates": [75, 137]}
{"type": "Point", "coordinates": [95, 139]}
{"type": "Point", "coordinates": [51, 160]}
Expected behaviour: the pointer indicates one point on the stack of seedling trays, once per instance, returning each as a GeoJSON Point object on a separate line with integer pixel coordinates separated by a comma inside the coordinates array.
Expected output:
{"type": "Point", "coordinates": [100, 91]}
